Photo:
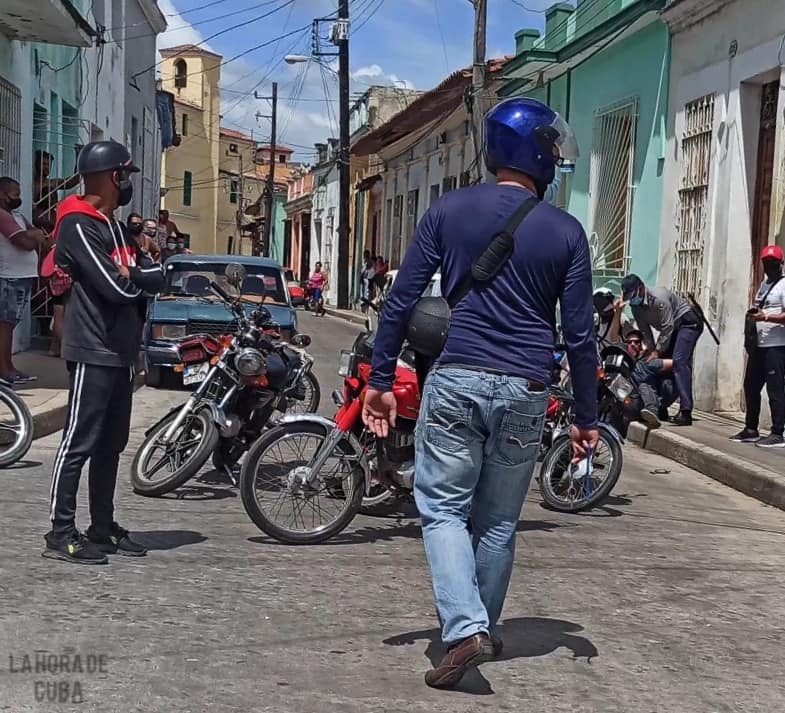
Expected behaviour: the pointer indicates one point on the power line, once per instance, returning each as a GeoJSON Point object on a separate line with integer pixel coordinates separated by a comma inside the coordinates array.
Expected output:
{"type": "Point", "coordinates": [528, 9]}
{"type": "Point", "coordinates": [368, 17]}
{"type": "Point", "coordinates": [441, 34]}
{"type": "Point", "coordinates": [223, 32]}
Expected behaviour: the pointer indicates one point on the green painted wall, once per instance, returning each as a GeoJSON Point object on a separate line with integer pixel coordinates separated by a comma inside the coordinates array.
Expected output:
{"type": "Point", "coordinates": [634, 68]}
{"type": "Point", "coordinates": [276, 241]}
{"type": "Point", "coordinates": [600, 83]}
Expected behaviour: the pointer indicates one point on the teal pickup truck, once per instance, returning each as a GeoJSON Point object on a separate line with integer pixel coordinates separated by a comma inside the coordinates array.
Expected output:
{"type": "Point", "coordinates": [186, 306]}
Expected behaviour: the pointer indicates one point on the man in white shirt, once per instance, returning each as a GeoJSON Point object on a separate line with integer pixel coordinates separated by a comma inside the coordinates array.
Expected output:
{"type": "Point", "coordinates": [19, 244]}
{"type": "Point", "coordinates": [766, 363]}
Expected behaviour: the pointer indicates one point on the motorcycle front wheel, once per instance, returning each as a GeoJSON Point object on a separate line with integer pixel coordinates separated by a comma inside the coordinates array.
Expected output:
{"type": "Point", "coordinates": [160, 468]}
{"type": "Point", "coordinates": [288, 502]}
{"type": "Point", "coordinates": [569, 490]}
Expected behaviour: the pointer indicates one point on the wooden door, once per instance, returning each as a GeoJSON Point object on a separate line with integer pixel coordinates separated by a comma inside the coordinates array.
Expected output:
{"type": "Point", "coordinates": [761, 214]}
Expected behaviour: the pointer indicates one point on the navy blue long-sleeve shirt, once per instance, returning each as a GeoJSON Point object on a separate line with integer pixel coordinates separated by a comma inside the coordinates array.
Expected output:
{"type": "Point", "coordinates": [509, 325]}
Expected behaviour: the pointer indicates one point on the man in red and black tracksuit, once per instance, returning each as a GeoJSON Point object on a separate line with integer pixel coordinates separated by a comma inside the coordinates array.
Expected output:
{"type": "Point", "coordinates": [104, 316]}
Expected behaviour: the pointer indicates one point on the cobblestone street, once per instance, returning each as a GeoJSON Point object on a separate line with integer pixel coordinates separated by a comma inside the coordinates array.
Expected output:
{"type": "Point", "coordinates": [667, 599]}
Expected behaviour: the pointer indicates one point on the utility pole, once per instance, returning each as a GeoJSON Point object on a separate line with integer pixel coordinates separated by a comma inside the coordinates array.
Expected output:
{"type": "Point", "coordinates": [269, 230]}
{"type": "Point", "coordinates": [342, 40]}
{"type": "Point", "coordinates": [479, 81]}
{"type": "Point", "coordinates": [240, 199]}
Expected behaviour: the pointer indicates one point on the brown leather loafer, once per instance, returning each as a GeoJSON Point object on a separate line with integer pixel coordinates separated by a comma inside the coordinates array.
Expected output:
{"type": "Point", "coordinates": [459, 659]}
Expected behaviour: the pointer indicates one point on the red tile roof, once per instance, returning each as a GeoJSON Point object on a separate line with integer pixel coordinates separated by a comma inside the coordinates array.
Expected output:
{"type": "Point", "coordinates": [232, 134]}
{"type": "Point", "coordinates": [437, 102]}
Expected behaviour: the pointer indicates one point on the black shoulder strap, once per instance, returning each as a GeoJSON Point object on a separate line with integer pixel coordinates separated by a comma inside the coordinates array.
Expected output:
{"type": "Point", "coordinates": [768, 292]}
{"type": "Point", "coordinates": [507, 234]}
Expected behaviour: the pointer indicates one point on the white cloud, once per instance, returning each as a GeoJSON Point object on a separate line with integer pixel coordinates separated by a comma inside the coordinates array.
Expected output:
{"type": "Point", "coordinates": [179, 31]}
{"type": "Point", "coordinates": [300, 123]}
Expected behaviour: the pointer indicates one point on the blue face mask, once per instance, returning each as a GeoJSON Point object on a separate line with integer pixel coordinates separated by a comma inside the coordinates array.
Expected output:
{"type": "Point", "coordinates": [552, 192]}
{"type": "Point", "coordinates": [636, 301]}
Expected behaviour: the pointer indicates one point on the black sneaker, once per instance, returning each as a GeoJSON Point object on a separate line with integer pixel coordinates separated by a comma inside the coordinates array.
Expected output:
{"type": "Point", "coordinates": [683, 418]}
{"type": "Point", "coordinates": [746, 435]}
{"type": "Point", "coordinates": [74, 548]}
{"type": "Point", "coordinates": [773, 441]}
{"type": "Point", "coordinates": [497, 646]}
{"type": "Point", "coordinates": [118, 542]}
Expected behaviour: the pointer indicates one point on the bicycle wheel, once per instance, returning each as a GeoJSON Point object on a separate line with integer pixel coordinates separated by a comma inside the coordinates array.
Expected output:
{"type": "Point", "coordinates": [16, 427]}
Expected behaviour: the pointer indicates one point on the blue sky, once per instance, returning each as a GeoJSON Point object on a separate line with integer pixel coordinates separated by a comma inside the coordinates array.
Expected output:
{"type": "Point", "coordinates": [414, 43]}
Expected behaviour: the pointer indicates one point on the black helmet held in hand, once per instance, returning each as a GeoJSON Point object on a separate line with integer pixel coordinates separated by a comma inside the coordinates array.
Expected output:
{"type": "Point", "coordinates": [101, 156]}
{"type": "Point", "coordinates": [428, 326]}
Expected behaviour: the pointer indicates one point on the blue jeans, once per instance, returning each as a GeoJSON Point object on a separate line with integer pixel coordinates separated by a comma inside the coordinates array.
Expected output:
{"type": "Point", "coordinates": [477, 441]}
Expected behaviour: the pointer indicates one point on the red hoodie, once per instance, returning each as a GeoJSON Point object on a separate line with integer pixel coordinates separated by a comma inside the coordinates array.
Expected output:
{"type": "Point", "coordinates": [123, 254]}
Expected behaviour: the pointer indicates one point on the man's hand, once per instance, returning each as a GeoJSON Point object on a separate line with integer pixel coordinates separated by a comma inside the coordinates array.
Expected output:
{"type": "Point", "coordinates": [379, 412]}
{"type": "Point", "coordinates": [619, 305]}
{"type": "Point", "coordinates": [653, 355]}
{"type": "Point", "coordinates": [759, 316]}
{"type": "Point", "coordinates": [583, 439]}
{"type": "Point", "coordinates": [123, 270]}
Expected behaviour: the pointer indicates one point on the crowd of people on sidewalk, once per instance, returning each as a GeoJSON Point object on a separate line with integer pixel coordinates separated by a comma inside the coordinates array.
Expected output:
{"type": "Point", "coordinates": [26, 244]}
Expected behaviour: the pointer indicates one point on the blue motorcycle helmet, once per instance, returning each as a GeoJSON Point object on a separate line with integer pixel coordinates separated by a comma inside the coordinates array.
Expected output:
{"type": "Point", "coordinates": [527, 136]}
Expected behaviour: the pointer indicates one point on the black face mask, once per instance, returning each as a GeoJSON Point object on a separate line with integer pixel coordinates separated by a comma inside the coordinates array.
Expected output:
{"type": "Point", "coordinates": [13, 204]}
{"type": "Point", "coordinates": [125, 188]}
{"type": "Point", "coordinates": [135, 228]}
{"type": "Point", "coordinates": [151, 232]}
{"type": "Point", "coordinates": [773, 270]}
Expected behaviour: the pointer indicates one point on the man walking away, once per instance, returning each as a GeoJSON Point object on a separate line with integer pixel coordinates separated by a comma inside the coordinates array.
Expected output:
{"type": "Point", "coordinates": [483, 403]}
{"type": "Point", "coordinates": [679, 328]}
{"type": "Point", "coordinates": [766, 362]}
{"type": "Point", "coordinates": [19, 245]}
{"type": "Point", "coordinates": [101, 340]}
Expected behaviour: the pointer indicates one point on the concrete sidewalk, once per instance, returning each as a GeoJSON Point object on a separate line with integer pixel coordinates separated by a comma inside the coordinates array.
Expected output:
{"type": "Point", "coordinates": [705, 447]}
{"type": "Point", "coordinates": [47, 398]}
{"type": "Point", "coordinates": [347, 315]}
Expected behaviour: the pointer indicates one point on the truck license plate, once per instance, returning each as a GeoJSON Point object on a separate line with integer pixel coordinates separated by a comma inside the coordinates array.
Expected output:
{"type": "Point", "coordinates": [195, 374]}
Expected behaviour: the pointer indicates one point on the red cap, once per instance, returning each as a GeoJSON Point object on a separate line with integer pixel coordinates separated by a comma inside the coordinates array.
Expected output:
{"type": "Point", "coordinates": [772, 252]}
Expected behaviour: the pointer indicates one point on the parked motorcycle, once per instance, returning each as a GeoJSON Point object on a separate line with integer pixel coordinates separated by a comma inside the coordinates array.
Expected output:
{"type": "Point", "coordinates": [305, 480]}
{"type": "Point", "coordinates": [248, 376]}
{"type": "Point", "coordinates": [568, 487]}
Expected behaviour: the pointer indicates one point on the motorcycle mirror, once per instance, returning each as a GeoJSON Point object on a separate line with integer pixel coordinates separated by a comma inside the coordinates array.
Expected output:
{"type": "Point", "coordinates": [301, 340]}
{"type": "Point", "coordinates": [235, 274]}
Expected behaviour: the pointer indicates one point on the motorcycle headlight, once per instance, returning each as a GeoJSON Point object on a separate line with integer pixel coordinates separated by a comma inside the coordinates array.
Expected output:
{"type": "Point", "coordinates": [620, 387]}
{"type": "Point", "coordinates": [250, 362]}
{"type": "Point", "coordinates": [345, 365]}
{"type": "Point", "coordinates": [168, 331]}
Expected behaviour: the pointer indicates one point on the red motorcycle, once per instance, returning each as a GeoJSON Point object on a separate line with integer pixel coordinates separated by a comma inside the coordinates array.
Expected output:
{"type": "Point", "coordinates": [304, 480]}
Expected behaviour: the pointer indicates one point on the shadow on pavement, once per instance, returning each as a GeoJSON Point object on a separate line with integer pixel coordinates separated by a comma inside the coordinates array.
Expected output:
{"type": "Point", "coordinates": [523, 637]}
{"type": "Point", "coordinates": [23, 464]}
{"type": "Point", "coordinates": [167, 539]}
{"type": "Point", "coordinates": [200, 492]}
{"type": "Point", "coordinates": [388, 532]}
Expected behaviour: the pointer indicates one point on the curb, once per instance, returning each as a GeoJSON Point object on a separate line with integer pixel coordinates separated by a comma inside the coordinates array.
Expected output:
{"type": "Point", "coordinates": [756, 481]}
{"type": "Point", "coordinates": [52, 420]}
{"type": "Point", "coordinates": [346, 316]}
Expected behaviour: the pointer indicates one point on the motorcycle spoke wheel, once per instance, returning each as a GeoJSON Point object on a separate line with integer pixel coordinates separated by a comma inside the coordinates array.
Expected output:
{"type": "Point", "coordinates": [16, 427]}
{"type": "Point", "coordinates": [160, 467]}
{"type": "Point", "coordinates": [311, 395]}
{"type": "Point", "coordinates": [568, 491]}
{"type": "Point", "coordinates": [287, 500]}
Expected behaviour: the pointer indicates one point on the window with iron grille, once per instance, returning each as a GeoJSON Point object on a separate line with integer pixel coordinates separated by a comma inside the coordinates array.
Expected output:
{"type": "Point", "coordinates": [610, 208]}
{"type": "Point", "coordinates": [10, 129]}
{"type": "Point", "coordinates": [693, 194]}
